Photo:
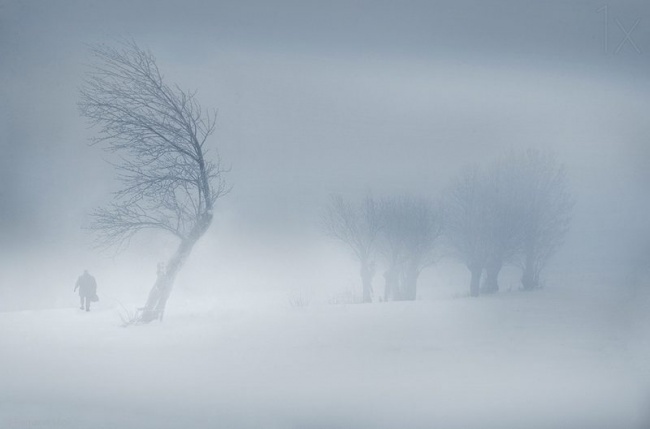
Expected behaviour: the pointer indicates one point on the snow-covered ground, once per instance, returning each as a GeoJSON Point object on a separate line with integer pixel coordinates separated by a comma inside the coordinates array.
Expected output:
{"type": "Point", "coordinates": [549, 359]}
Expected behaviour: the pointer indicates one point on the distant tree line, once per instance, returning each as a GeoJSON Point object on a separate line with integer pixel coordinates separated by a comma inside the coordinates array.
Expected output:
{"type": "Point", "coordinates": [514, 211]}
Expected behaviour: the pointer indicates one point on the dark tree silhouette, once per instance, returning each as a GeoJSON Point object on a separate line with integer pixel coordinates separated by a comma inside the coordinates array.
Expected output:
{"type": "Point", "coordinates": [159, 136]}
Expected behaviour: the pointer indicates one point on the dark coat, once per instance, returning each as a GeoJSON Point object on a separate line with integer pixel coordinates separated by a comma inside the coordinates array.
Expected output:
{"type": "Point", "coordinates": [87, 285]}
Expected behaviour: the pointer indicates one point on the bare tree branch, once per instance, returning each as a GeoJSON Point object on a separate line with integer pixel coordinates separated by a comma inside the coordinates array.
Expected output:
{"type": "Point", "coordinates": [158, 132]}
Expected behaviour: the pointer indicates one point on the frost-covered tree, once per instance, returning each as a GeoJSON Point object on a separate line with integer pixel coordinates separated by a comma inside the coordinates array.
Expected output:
{"type": "Point", "coordinates": [357, 226]}
{"type": "Point", "coordinates": [410, 231]}
{"type": "Point", "coordinates": [159, 134]}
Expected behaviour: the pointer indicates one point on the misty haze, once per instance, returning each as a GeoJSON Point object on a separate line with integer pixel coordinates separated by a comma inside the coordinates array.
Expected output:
{"type": "Point", "coordinates": [302, 214]}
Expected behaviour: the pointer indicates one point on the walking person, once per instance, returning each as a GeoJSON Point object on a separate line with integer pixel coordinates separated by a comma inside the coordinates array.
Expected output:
{"type": "Point", "coordinates": [87, 290]}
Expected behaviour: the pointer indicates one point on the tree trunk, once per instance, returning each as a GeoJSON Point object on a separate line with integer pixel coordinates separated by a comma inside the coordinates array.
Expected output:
{"type": "Point", "coordinates": [159, 294]}
{"type": "Point", "coordinates": [409, 289]}
{"type": "Point", "coordinates": [392, 280]}
{"type": "Point", "coordinates": [529, 280]}
{"type": "Point", "coordinates": [366, 280]}
{"type": "Point", "coordinates": [530, 277]}
{"type": "Point", "coordinates": [475, 282]}
{"type": "Point", "coordinates": [492, 270]}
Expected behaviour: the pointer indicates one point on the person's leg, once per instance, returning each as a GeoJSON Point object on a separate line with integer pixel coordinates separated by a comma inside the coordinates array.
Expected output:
{"type": "Point", "coordinates": [81, 299]}
{"type": "Point", "coordinates": [87, 303]}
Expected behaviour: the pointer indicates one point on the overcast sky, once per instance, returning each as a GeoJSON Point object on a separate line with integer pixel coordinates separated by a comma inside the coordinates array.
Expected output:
{"type": "Point", "coordinates": [338, 96]}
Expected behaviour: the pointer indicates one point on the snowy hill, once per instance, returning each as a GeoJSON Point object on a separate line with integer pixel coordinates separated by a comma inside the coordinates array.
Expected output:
{"type": "Point", "coordinates": [550, 359]}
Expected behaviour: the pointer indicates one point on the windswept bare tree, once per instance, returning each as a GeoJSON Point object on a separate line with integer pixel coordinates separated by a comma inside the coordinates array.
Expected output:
{"type": "Point", "coordinates": [410, 230]}
{"type": "Point", "coordinates": [159, 136]}
{"type": "Point", "coordinates": [357, 227]}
